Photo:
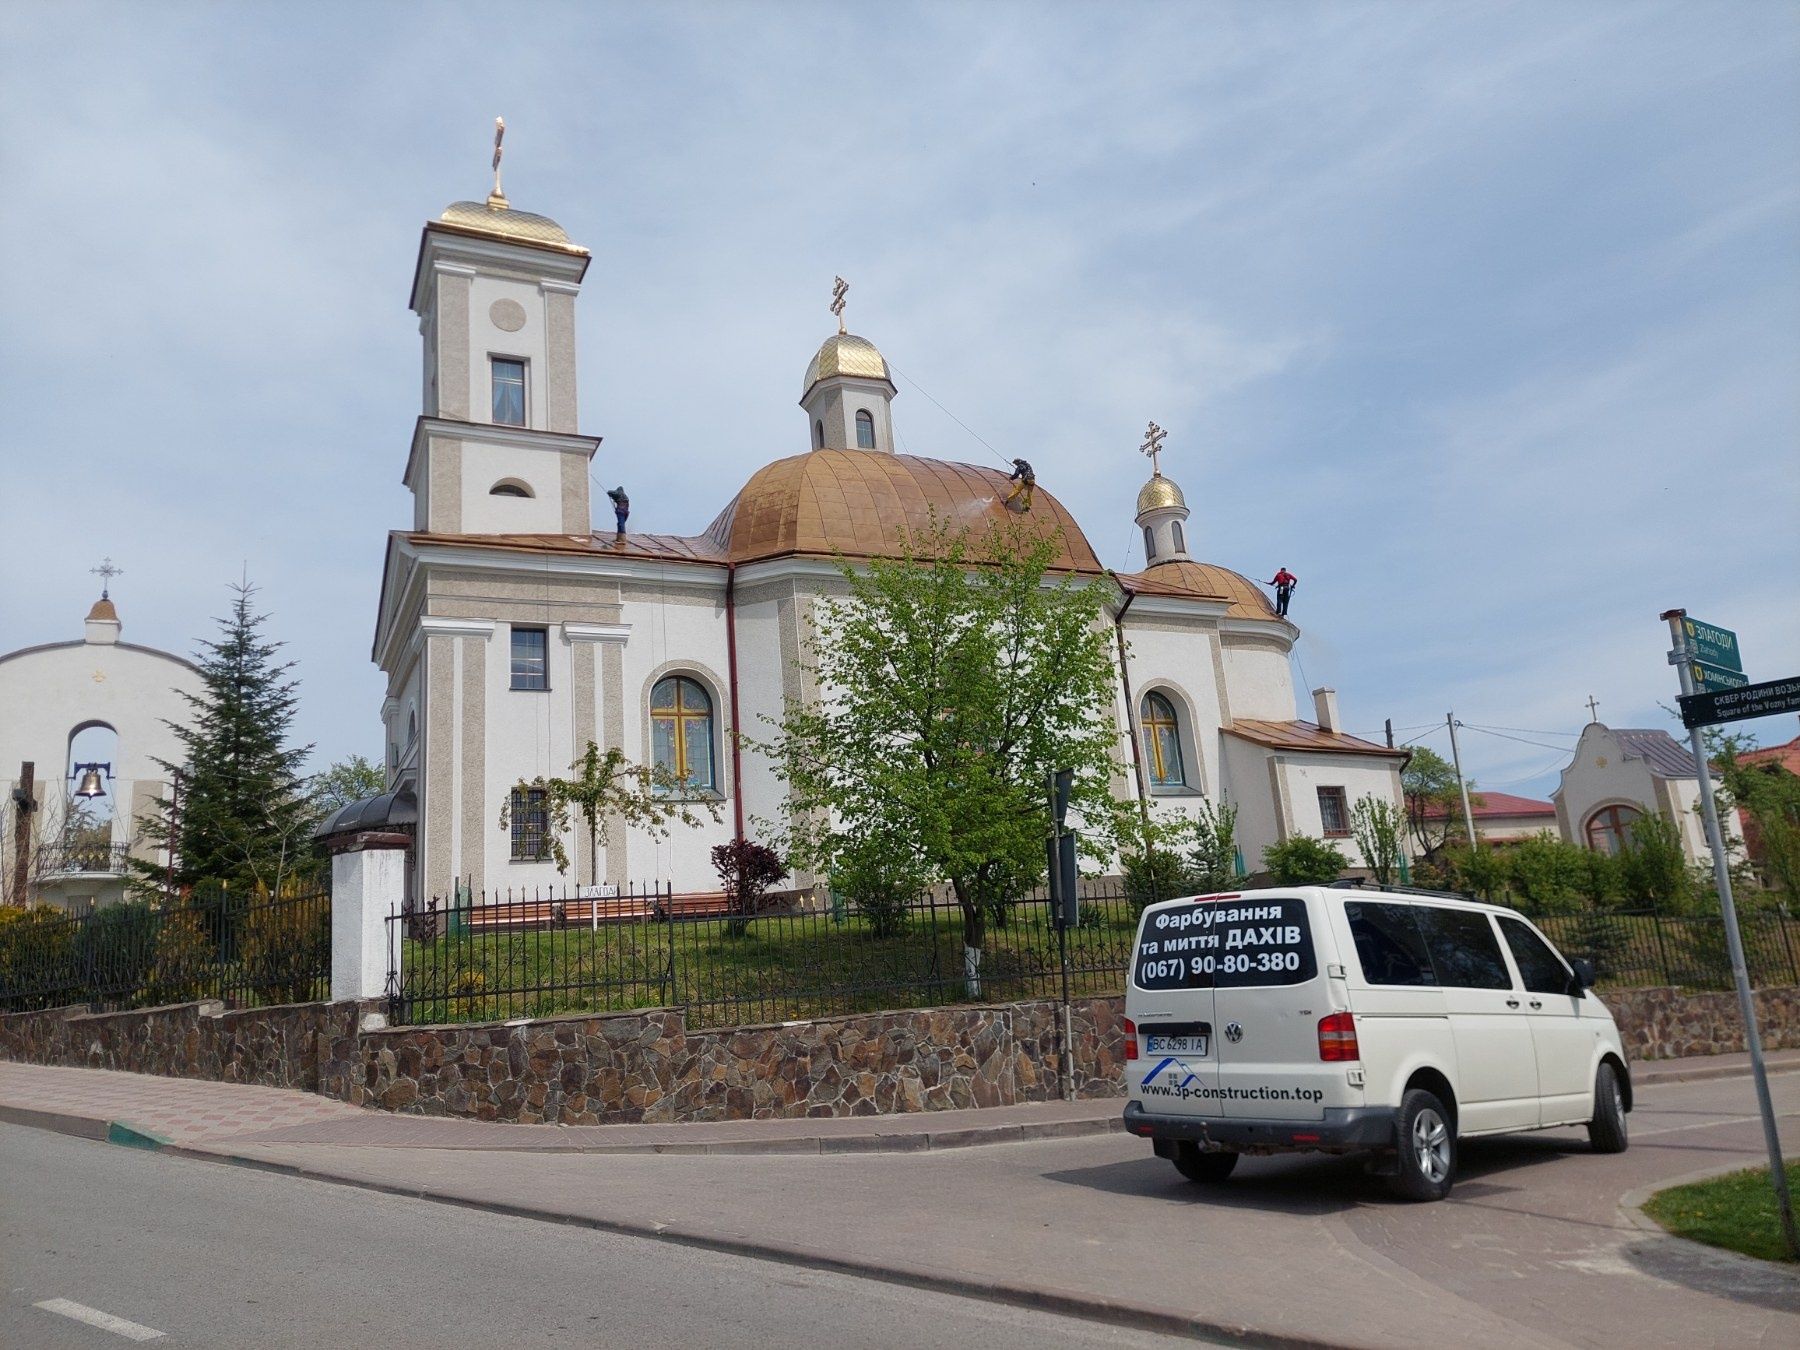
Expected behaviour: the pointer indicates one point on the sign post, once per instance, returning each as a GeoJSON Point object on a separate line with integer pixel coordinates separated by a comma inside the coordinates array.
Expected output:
{"type": "Point", "coordinates": [1691, 638]}
{"type": "Point", "coordinates": [1064, 885]}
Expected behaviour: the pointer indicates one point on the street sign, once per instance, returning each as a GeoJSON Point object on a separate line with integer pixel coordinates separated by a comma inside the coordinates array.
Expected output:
{"type": "Point", "coordinates": [1710, 679]}
{"type": "Point", "coordinates": [1734, 705]}
{"type": "Point", "coordinates": [1715, 646]}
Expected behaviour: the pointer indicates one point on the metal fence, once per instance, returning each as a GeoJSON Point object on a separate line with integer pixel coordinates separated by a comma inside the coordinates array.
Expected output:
{"type": "Point", "coordinates": [1646, 948]}
{"type": "Point", "coordinates": [215, 943]}
{"type": "Point", "coordinates": [485, 958]}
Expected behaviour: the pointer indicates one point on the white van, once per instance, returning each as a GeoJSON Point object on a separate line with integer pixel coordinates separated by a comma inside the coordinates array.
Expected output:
{"type": "Point", "coordinates": [1348, 1020]}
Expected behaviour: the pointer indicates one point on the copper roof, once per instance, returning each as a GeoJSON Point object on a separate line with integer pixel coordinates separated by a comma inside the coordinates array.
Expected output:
{"type": "Point", "coordinates": [656, 547]}
{"type": "Point", "coordinates": [866, 503]}
{"type": "Point", "coordinates": [1307, 736]}
{"type": "Point", "coordinates": [103, 609]}
{"type": "Point", "coordinates": [1203, 581]}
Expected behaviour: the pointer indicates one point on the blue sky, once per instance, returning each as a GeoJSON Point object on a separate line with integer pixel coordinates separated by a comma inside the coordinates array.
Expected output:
{"type": "Point", "coordinates": [1481, 318]}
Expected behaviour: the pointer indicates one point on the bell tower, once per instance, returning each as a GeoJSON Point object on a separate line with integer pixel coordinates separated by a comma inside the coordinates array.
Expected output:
{"type": "Point", "coordinates": [848, 390]}
{"type": "Point", "coordinates": [497, 449]}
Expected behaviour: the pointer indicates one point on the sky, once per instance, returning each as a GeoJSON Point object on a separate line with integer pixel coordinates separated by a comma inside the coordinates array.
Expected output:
{"type": "Point", "coordinates": [1483, 319]}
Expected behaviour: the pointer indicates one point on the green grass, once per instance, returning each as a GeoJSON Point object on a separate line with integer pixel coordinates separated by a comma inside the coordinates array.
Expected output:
{"type": "Point", "coordinates": [1735, 1211]}
{"type": "Point", "coordinates": [780, 968]}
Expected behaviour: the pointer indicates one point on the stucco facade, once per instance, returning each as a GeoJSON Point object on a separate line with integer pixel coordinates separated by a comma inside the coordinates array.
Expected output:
{"type": "Point", "coordinates": [1616, 774]}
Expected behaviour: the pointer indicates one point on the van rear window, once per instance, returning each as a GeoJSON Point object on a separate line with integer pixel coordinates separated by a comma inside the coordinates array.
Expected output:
{"type": "Point", "coordinates": [1226, 944]}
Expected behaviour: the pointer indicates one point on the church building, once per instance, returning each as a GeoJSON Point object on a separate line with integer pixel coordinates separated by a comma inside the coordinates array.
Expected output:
{"type": "Point", "coordinates": [513, 632]}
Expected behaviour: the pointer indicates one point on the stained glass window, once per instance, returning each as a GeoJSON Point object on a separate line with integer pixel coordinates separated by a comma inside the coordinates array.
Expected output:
{"type": "Point", "coordinates": [865, 431]}
{"type": "Point", "coordinates": [681, 732]}
{"type": "Point", "coordinates": [1162, 742]}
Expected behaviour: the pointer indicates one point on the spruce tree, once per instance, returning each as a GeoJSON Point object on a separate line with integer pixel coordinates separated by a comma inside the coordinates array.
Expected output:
{"type": "Point", "coordinates": [244, 817]}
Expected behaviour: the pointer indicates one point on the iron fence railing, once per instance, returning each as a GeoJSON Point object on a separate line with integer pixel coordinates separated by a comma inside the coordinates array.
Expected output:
{"type": "Point", "coordinates": [478, 957]}
{"type": "Point", "coordinates": [216, 943]}
{"type": "Point", "coordinates": [1648, 948]}
{"type": "Point", "coordinates": [67, 859]}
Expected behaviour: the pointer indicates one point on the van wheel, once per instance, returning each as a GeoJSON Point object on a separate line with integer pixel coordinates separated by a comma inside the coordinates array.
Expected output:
{"type": "Point", "coordinates": [1606, 1131]}
{"type": "Point", "coordinates": [1426, 1160]}
{"type": "Point", "coordinates": [1205, 1168]}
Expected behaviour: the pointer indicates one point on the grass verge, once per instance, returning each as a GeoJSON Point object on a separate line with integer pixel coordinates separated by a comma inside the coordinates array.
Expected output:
{"type": "Point", "coordinates": [1736, 1211]}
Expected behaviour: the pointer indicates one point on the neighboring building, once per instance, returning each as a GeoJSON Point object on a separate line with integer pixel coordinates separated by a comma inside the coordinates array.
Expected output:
{"type": "Point", "coordinates": [1771, 756]}
{"type": "Point", "coordinates": [1500, 817]}
{"type": "Point", "coordinates": [1620, 774]}
{"type": "Point", "coordinates": [512, 633]}
{"type": "Point", "coordinates": [52, 694]}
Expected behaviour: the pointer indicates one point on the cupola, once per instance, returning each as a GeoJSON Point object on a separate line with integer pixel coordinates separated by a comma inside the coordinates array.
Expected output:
{"type": "Point", "coordinates": [848, 390]}
{"type": "Point", "coordinates": [1162, 511]}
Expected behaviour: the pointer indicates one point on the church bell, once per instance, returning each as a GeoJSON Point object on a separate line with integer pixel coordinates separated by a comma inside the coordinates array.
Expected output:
{"type": "Point", "coordinates": [91, 784]}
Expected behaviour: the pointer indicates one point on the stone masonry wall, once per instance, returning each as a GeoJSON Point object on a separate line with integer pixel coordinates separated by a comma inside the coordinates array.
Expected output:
{"type": "Point", "coordinates": [647, 1066]}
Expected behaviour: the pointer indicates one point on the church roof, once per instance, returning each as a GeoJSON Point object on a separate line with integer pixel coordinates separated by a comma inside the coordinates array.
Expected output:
{"type": "Point", "coordinates": [1662, 754]}
{"type": "Point", "coordinates": [103, 611]}
{"type": "Point", "coordinates": [502, 222]}
{"type": "Point", "coordinates": [1307, 736]}
{"type": "Point", "coordinates": [1202, 581]}
{"type": "Point", "coordinates": [866, 504]}
{"type": "Point", "coordinates": [845, 354]}
{"type": "Point", "coordinates": [1158, 493]}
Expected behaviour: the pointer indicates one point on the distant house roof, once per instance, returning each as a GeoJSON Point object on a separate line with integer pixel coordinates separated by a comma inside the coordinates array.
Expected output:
{"type": "Point", "coordinates": [1665, 756]}
{"type": "Point", "coordinates": [1307, 736]}
{"type": "Point", "coordinates": [1788, 756]}
{"type": "Point", "coordinates": [1488, 805]}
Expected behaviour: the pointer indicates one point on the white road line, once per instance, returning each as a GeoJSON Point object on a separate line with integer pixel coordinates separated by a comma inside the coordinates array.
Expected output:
{"type": "Point", "coordinates": [80, 1312]}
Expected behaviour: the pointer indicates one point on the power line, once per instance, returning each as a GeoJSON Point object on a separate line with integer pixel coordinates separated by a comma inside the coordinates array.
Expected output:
{"type": "Point", "coordinates": [1004, 459]}
{"type": "Point", "coordinates": [1542, 745]}
{"type": "Point", "coordinates": [1527, 731]}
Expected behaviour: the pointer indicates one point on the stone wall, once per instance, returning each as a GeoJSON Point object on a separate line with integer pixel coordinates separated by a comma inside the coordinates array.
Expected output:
{"type": "Point", "coordinates": [647, 1067]}
{"type": "Point", "coordinates": [273, 1047]}
{"type": "Point", "coordinates": [1669, 1023]}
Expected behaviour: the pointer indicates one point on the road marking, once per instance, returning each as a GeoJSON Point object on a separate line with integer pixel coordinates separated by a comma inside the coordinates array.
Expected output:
{"type": "Point", "coordinates": [80, 1312]}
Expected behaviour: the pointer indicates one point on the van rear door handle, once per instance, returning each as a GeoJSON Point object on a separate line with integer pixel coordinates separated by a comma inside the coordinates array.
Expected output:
{"type": "Point", "coordinates": [1512, 1002]}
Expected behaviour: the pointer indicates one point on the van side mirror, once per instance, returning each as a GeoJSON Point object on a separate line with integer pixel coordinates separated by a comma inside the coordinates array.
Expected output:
{"type": "Point", "coordinates": [1583, 978]}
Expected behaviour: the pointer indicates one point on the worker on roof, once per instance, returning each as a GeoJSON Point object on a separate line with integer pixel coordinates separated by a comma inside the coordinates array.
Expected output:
{"type": "Point", "coordinates": [1019, 499]}
{"type": "Point", "coordinates": [621, 507]}
{"type": "Point", "coordinates": [1284, 582]}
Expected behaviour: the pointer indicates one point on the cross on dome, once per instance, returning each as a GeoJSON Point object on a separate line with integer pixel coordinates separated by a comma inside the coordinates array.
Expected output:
{"type": "Point", "coordinates": [839, 289]}
{"type": "Point", "coordinates": [106, 572]}
{"type": "Point", "coordinates": [1152, 446]}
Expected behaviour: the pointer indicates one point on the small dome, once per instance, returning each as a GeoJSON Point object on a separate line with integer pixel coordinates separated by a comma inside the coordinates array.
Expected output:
{"type": "Point", "coordinates": [502, 222]}
{"type": "Point", "coordinates": [103, 611]}
{"type": "Point", "coordinates": [1158, 493]}
{"type": "Point", "coordinates": [846, 354]}
{"type": "Point", "coordinates": [1205, 581]}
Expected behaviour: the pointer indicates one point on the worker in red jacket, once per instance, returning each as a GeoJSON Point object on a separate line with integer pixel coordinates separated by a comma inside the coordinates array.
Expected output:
{"type": "Point", "coordinates": [1284, 582]}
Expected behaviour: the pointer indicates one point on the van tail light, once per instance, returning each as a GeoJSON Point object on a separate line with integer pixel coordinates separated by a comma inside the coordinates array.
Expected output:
{"type": "Point", "coordinates": [1337, 1037]}
{"type": "Point", "coordinates": [1131, 1051]}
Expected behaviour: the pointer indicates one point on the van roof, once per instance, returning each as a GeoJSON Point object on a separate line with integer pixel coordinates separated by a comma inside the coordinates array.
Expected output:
{"type": "Point", "coordinates": [1345, 892]}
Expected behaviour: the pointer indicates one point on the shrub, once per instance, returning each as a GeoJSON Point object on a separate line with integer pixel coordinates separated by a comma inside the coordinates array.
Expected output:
{"type": "Point", "coordinates": [1304, 861]}
{"type": "Point", "coordinates": [1545, 875]}
{"type": "Point", "coordinates": [185, 960]}
{"type": "Point", "coordinates": [285, 945]}
{"type": "Point", "coordinates": [115, 949]}
{"type": "Point", "coordinates": [1156, 874]}
{"type": "Point", "coordinates": [1212, 860]}
{"type": "Point", "coordinates": [881, 881]}
{"type": "Point", "coordinates": [1654, 867]}
{"type": "Point", "coordinates": [746, 870]}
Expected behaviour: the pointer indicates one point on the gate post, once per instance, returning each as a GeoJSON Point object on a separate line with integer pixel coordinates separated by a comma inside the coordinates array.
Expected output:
{"type": "Point", "coordinates": [368, 883]}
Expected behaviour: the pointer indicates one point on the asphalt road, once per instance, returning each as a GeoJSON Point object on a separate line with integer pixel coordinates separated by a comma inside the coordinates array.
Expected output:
{"type": "Point", "coordinates": [228, 1256]}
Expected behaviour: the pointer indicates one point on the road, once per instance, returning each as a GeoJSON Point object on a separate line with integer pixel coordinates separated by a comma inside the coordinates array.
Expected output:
{"type": "Point", "coordinates": [228, 1256]}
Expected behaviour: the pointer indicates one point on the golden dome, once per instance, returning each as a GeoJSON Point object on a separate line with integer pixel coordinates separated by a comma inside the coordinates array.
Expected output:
{"type": "Point", "coordinates": [1202, 581]}
{"type": "Point", "coordinates": [103, 610]}
{"type": "Point", "coordinates": [865, 503]}
{"type": "Point", "coordinates": [846, 354]}
{"type": "Point", "coordinates": [1158, 493]}
{"type": "Point", "coordinates": [502, 222]}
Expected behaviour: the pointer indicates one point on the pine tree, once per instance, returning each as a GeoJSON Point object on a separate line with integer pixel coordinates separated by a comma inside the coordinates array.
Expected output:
{"type": "Point", "coordinates": [244, 817]}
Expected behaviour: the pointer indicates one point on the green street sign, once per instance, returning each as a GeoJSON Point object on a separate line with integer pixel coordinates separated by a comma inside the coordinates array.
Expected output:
{"type": "Point", "coordinates": [1709, 679]}
{"type": "Point", "coordinates": [1717, 647]}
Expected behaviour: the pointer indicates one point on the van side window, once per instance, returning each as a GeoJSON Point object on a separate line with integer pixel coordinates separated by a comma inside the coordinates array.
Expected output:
{"type": "Point", "coordinates": [1463, 948]}
{"type": "Point", "coordinates": [1389, 944]}
{"type": "Point", "coordinates": [1539, 966]}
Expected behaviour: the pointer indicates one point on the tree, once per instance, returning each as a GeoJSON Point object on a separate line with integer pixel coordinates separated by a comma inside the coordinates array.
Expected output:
{"type": "Point", "coordinates": [1212, 857]}
{"type": "Point", "coordinates": [746, 870]}
{"type": "Point", "coordinates": [1433, 799]}
{"type": "Point", "coordinates": [1654, 868]}
{"type": "Point", "coordinates": [245, 816]}
{"type": "Point", "coordinates": [951, 680]}
{"type": "Point", "coordinates": [348, 780]}
{"type": "Point", "coordinates": [1379, 828]}
{"type": "Point", "coordinates": [1304, 861]}
{"type": "Point", "coordinates": [606, 787]}
{"type": "Point", "coordinates": [1768, 794]}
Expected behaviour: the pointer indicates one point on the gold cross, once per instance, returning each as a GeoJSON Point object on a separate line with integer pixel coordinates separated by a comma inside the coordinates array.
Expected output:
{"type": "Point", "coordinates": [99, 677]}
{"type": "Point", "coordinates": [839, 289]}
{"type": "Point", "coordinates": [497, 197]}
{"type": "Point", "coordinates": [1152, 446]}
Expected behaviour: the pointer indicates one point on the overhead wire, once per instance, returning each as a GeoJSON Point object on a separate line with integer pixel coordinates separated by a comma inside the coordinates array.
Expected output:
{"type": "Point", "coordinates": [1542, 745]}
{"type": "Point", "coordinates": [1004, 459]}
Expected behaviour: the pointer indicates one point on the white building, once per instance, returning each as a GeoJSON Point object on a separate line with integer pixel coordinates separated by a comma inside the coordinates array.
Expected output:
{"type": "Point", "coordinates": [1620, 774]}
{"type": "Point", "coordinates": [513, 633]}
{"type": "Point", "coordinates": [114, 698]}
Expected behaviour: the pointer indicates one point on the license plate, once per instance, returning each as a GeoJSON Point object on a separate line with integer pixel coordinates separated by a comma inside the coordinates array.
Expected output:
{"type": "Point", "coordinates": [1175, 1045]}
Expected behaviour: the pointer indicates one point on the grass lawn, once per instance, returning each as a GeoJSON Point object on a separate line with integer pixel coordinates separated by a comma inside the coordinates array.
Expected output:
{"type": "Point", "coordinates": [1735, 1211]}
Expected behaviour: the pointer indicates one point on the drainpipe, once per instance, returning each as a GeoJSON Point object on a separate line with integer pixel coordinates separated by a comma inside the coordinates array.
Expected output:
{"type": "Point", "coordinates": [731, 676]}
{"type": "Point", "coordinates": [1137, 753]}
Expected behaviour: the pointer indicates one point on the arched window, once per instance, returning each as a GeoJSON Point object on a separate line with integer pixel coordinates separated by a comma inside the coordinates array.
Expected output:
{"type": "Point", "coordinates": [1180, 543]}
{"type": "Point", "coordinates": [509, 487]}
{"type": "Point", "coordinates": [681, 732]}
{"type": "Point", "coordinates": [1149, 544]}
{"type": "Point", "coordinates": [865, 430]}
{"type": "Point", "coordinates": [1609, 828]}
{"type": "Point", "coordinates": [1162, 742]}
{"type": "Point", "coordinates": [819, 435]}
{"type": "Point", "coordinates": [412, 727]}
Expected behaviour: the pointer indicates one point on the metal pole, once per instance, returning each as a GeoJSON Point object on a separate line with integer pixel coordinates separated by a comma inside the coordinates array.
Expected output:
{"type": "Point", "coordinates": [1462, 783]}
{"type": "Point", "coordinates": [1735, 944]}
{"type": "Point", "coordinates": [24, 803]}
{"type": "Point", "coordinates": [174, 831]}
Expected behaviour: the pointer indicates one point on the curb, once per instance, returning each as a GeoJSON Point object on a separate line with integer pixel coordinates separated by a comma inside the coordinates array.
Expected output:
{"type": "Point", "coordinates": [1701, 1073]}
{"type": "Point", "coordinates": [1632, 1203]}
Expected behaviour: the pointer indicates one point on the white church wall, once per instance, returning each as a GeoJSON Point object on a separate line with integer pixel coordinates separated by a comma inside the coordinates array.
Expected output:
{"type": "Point", "coordinates": [760, 686]}
{"type": "Point", "coordinates": [1258, 679]}
{"type": "Point", "coordinates": [1248, 786]}
{"type": "Point", "coordinates": [1179, 665]}
{"type": "Point", "coordinates": [1358, 775]}
{"type": "Point", "coordinates": [1600, 775]}
{"type": "Point", "coordinates": [488, 339]}
{"type": "Point", "coordinates": [485, 465]}
{"type": "Point", "coordinates": [528, 733]}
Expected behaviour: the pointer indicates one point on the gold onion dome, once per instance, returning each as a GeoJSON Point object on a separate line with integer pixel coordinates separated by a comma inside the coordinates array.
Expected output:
{"type": "Point", "coordinates": [499, 221]}
{"type": "Point", "coordinates": [104, 611]}
{"type": "Point", "coordinates": [846, 354]}
{"type": "Point", "coordinates": [1158, 493]}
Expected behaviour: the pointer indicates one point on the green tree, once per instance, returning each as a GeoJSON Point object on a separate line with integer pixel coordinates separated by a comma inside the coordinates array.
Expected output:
{"type": "Point", "coordinates": [245, 816]}
{"type": "Point", "coordinates": [952, 680]}
{"type": "Point", "coordinates": [1304, 861]}
{"type": "Point", "coordinates": [606, 787]}
{"type": "Point", "coordinates": [1379, 829]}
{"type": "Point", "coordinates": [1433, 800]}
{"type": "Point", "coordinates": [1654, 868]}
{"type": "Point", "coordinates": [1212, 857]}
{"type": "Point", "coordinates": [348, 780]}
{"type": "Point", "coordinates": [1768, 794]}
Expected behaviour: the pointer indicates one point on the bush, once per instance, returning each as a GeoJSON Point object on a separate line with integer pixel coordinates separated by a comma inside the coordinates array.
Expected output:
{"type": "Point", "coordinates": [1545, 875]}
{"type": "Point", "coordinates": [37, 946]}
{"type": "Point", "coordinates": [1304, 861]}
{"type": "Point", "coordinates": [746, 870]}
{"type": "Point", "coordinates": [285, 945]}
{"type": "Point", "coordinates": [1654, 868]}
{"type": "Point", "coordinates": [115, 949]}
{"type": "Point", "coordinates": [1212, 859]}
{"type": "Point", "coordinates": [879, 881]}
{"type": "Point", "coordinates": [1153, 875]}
{"type": "Point", "coordinates": [185, 960]}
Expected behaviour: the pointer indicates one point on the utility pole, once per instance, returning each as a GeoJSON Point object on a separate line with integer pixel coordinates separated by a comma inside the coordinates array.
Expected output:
{"type": "Point", "coordinates": [1462, 784]}
{"type": "Point", "coordinates": [1390, 733]}
{"type": "Point", "coordinates": [174, 832]}
{"type": "Point", "coordinates": [24, 803]}
{"type": "Point", "coordinates": [1734, 942]}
